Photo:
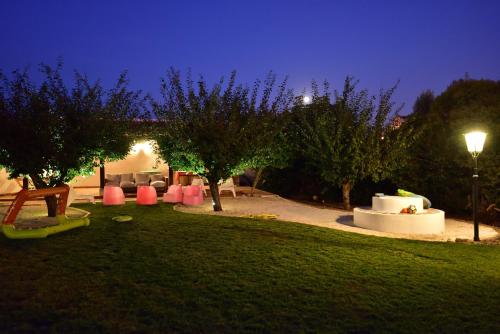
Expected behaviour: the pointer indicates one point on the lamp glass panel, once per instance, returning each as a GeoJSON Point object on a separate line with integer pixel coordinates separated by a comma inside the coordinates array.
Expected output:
{"type": "Point", "coordinates": [475, 141]}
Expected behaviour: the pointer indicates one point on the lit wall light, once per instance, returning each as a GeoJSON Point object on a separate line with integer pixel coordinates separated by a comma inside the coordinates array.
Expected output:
{"type": "Point", "coordinates": [145, 147]}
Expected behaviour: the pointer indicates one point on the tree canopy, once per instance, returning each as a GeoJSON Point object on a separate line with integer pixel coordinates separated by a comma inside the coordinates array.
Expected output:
{"type": "Point", "coordinates": [350, 139]}
{"type": "Point", "coordinates": [217, 131]}
{"type": "Point", "coordinates": [53, 133]}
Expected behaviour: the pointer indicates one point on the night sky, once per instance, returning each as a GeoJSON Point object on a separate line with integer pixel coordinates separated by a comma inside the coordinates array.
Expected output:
{"type": "Point", "coordinates": [424, 44]}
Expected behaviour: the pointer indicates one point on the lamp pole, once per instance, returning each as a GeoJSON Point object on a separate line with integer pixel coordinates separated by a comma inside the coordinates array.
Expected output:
{"type": "Point", "coordinates": [475, 142]}
{"type": "Point", "coordinates": [475, 179]}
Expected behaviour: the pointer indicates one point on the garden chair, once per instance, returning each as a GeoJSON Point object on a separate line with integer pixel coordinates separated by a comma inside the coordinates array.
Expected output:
{"type": "Point", "coordinates": [199, 182]}
{"type": "Point", "coordinates": [113, 195]}
{"type": "Point", "coordinates": [193, 195]}
{"type": "Point", "coordinates": [113, 179]}
{"type": "Point", "coordinates": [228, 185]}
{"type": "Point", "coordinates": [158, 181]}
{"type": "Point", "coordinates": [146, 195]}
{"type": "Point", "coordinates": [127, 182]}
{"type": "Point", "coordinates": [174, 194]}
{"type": "Point", "coordinates": [141, 179]}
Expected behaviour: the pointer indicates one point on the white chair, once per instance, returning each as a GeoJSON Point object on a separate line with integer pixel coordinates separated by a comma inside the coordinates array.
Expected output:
{"type": "Point", "coordinates": [227, 185]}
{"type": "Point", "coordinates": [199, 182]}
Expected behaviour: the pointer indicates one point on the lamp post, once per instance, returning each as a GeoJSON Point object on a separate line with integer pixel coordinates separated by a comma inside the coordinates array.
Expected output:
{"type": "Point", "coordinates": [475, 143]}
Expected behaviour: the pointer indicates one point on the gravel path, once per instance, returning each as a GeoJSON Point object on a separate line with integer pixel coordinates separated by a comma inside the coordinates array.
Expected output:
{"type": "Point", "coordinates": [287, 210]}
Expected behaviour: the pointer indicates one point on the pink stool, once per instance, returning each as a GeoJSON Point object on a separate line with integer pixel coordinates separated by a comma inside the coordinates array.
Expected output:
{"type": "Point", "coordinates": [146, 195]}
{"type": "Point", "coordinates": [113, 195]}
{"type": "Point", "coordinates": [173, 195]}
{"type": "Point", "coordinates": [193, 195]}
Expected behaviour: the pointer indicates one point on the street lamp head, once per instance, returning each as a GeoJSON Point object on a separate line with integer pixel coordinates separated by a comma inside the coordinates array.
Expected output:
{"type": "Point", "coordinates": [475, 142]}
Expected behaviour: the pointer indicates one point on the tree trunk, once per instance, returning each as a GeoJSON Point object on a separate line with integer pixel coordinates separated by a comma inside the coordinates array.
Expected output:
{"type": "Point", "coordinates": [346, 191]}
{"type": "Point", "coordinates": [102, 174]}
{"type": "Point", "coordinates": [51, 202]}
{"type": "Point", "coordinates": [170, 176]}
{"type": "Point", "coordinates": [214, 191]}
{"type": "Point", "coordinates": [256, 180]}
{"type": "Point", "coordinates": [25, 183]}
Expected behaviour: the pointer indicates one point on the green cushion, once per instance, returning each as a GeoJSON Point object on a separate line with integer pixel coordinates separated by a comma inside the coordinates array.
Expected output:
{"type": "Point", "coordinates": [404, 193]}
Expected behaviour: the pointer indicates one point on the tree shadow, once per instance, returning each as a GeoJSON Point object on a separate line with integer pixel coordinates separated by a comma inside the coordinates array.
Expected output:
{"type": "Point", "coordinates": [346, 220]}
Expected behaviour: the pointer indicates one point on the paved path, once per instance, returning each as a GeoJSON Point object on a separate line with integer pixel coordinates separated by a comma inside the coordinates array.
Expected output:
{"type": "Point", "coordinates": [326, 217]}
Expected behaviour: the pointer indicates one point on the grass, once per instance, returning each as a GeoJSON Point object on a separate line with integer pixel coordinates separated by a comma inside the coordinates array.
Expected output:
{"type": "Point", "coordinates": [172, 272]}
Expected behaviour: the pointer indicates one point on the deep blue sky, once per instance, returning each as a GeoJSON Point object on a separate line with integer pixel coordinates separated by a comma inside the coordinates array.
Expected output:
{"type": "Point", "coordinates": [425, 44]}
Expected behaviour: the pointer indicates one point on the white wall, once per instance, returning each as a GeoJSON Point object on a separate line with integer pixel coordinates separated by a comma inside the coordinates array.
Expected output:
{"type": "Point", "coordinates": [3, 175]}
{"type": "Point", "coordinates": [140, 159]}
{"type": "Point", "coordinates": [7, 186]}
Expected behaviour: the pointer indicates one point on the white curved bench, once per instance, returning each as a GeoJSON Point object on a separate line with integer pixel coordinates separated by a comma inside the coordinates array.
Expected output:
{"type": "Point", "coordinates": [429, 222]}
{"type": "Point", "coordinates": [394, 204]}
{"type": "Point", "coordinates": [385, 216]}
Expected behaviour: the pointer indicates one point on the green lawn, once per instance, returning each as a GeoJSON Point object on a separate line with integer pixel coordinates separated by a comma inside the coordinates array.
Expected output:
{"type": "Point", "coordinates": [173, 272]}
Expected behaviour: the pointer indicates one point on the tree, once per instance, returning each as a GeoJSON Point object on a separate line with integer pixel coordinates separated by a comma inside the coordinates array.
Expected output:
{"type": "Point", "coordinates": [440, 167]}
{"type": "Point", "coordinates": [350, 140]}
{"type": "Point", "coordinates": [120, 121]}
{"type": "Point", "coordinates": [276, 152]}
{"type": "Point", "coordinates": [216, 131]}
{"type": "Point", "coordinates": [423, 103]}
{"type": "Point", "coordinates": [52, 134]}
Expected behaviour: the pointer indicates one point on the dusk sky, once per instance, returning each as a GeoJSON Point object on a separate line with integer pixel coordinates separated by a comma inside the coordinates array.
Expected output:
{"type": "Point", "coordinates": [424, 44]}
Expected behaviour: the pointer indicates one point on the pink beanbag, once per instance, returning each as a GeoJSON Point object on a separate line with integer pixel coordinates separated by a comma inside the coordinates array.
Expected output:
{"type": "Point", "coordinates": [146, 195]}
{"type": "Point", "coordinates": [113, 195]}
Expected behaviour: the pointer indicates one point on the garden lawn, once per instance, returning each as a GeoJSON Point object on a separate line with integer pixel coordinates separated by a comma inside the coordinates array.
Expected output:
{"type": "Point", "coordinates": [172, 272]}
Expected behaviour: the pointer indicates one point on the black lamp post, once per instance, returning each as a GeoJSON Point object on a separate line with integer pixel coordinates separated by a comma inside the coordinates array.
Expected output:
{"type": "Point", "coordinates": [475, 143]}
